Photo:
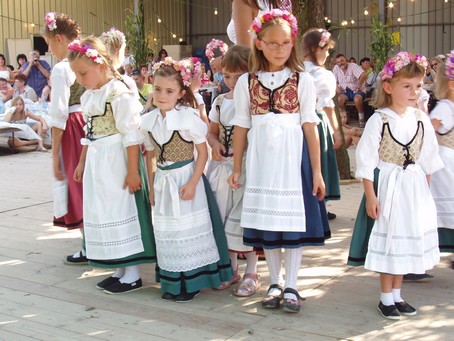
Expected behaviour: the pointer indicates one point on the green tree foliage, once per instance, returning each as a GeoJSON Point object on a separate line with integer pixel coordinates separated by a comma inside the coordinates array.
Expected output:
{"type": "Point", "coordinates": [136, 37]}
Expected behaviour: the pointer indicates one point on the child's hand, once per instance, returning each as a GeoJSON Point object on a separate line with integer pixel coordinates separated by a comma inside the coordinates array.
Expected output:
{"type": "Point", "coordinates": [372, 207]}
{"type": "Point", "coordinates": [79, 172]}
{"type": "Point", "coordinates": [233, 180]}
{"type": "Point", "coordinates": [187, 192]}
{"type": "Point", "coordinates": [319, 186]}
{"type": "Point", "coordinates": [133, 181]}
{"type": "Point", "coordinates": [151, 197]}
{"type": "Point", "coordinates": [337, 137]}
{"type": "Point", "coordinates": [57, 170]}
{"type": "Point", "coordinates": [217, 151]}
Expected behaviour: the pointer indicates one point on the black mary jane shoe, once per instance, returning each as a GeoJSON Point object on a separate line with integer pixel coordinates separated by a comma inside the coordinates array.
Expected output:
{"type": "Point", "coordinates": [290, 305]}
{"type": "Point", "coordinates": [120, 288]}
{"type": "Point", "coordinates": [107, 282]}
{"type": "Point", "coordinates": [273, 301]}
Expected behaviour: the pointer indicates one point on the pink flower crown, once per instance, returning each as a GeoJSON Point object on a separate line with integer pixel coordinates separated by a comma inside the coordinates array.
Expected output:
{"type": "Point", "coordinates": [449, 65]}
{"type": "Point", "coordinates": [258, 22]}
{"type": "Point", "coordinates": [86, 50]}
{"type": "Point", "coordinates": [325, 38]}
{"type": "Point", "coordinates": [197, 66]}
{"type": "Point", "coordinates": [185, 73]}
{"type": "Point", "coordinates": [50, 20]}
{"type": "Point", "coordinates": [112, 33]}
{"type": "Point", "coordinates": [215, 44]}
{"type": "Point", "coordinates": [400, 60]}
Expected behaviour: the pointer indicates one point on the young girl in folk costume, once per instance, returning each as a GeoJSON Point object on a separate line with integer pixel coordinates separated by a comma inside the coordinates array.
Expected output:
{"type": "Point", "coordinates": [190, 238]}
{"type": "Point", "coordinates": [271, 105]}
{"type": "Point", "coordinates": [67, 122]}
{"type": "Point", "coordinates": [115, 42]}
{"type": "Point", "coordinates": [117, 214]}
{"type": "Point", "coordinates": [234, 64]}
{"type": "Point", "coordinates": [395, 157]}
{"type": "Point", "coordinates": [317, 43]}
{"type": "Point", "coordinates": [17, 114]}
{"type": "Point", "coordinates": [442, 117]}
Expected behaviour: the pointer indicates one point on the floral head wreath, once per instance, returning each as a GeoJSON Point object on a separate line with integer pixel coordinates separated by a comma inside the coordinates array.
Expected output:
{"type": "Point", "coordinates": [449, 65]}
{"type": "Point", "coordinates": [86, 50]}
{"type": "Point", "coordinates": [400, 60]}
{"type": "Point", "coordinates": [178, 67]}
{"type": "Point", "coordinates": [325, 38]}
{"type": "Point", "coordinates": [50, 20]}
{"type": "Point", "coordinates": [197, 66]}
{"type": "Point", "coordinates": [258, 22]}
{"type": "Point", "coordinates": [215, 44]}
{"type": "Point", "coordinates": [112, 33]}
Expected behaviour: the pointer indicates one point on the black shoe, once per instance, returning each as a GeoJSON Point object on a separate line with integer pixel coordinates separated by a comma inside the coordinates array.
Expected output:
{"type": "Point", "coordinates": [186, 296]}
{"type": "Point", "coordinates": [271, 301]}
{"type": "Point", "coordinates": [417, 277]}
{"type": "Point", "coordinates": [167, 296]}
{"type": "Point", "coordinates": [120, 288]}
{"type": "Point", "coordinates": [107, 282]}
{"type": "Point", "coordinates": [405, 309]}
{"type": "Point", "coordinates": [290, 305]}
{"type": "Point", "coordinates": [389, 311]}
{"type": "Point", "coordinates": [71, 260]}
{"type": "Point", "coordinates": [331, 216]}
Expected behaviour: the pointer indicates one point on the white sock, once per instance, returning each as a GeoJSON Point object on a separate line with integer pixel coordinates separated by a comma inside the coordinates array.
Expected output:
{"type": "Point", "coordinates": [132, 274]}
{"type": "Point", "coordinates": [251, 262]}
{"type": "Point", "coordinates": [119, 273]}
{"type": "Point", "coordinates": [292, 266]}
{"type": "Point", "coordinates": [387, 298]}
{"type": "Point", "coordinates": [233, 260]}
{"type": "Point", "coordinates": [274, 261]}
{"type": "Point", "coordinates": [396, 295]}
{"type": "Point", "coordinates": [361, 115]}
{"type": "Point", "coordinates": [78, 254]}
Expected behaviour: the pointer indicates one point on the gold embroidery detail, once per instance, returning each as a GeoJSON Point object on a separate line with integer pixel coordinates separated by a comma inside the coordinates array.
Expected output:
{"type": "Point", "coordinates": [177, 149]}
{"type": "Point", "coordinates": [102, 125]}
{"type": "Point", "coordinates": [446, 140]}
{"type": "Point", "coordinates": [75, 92]}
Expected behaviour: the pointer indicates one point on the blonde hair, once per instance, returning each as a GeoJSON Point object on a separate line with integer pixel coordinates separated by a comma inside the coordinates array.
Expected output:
{"type": "Point", "coordinates": [15, 100]}
{"type": "Point", "coordinates": [441, 83]}
{"type": "Point", "coordinates": [97, 45]}
{"type": "Point", "coordinates": [257, 60]}
{"type": "Point", "coordinates": [381, 98]}
{"type": "Point", "coordinates": [114, 42]}
{"type": "Point", "coordinates": [236, 59]}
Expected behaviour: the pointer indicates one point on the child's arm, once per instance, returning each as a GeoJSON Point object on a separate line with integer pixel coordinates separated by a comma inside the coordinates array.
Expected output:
{"type": "Point", "coordinates": [372, 204]}
{"type": "Point", "coordinates": [39, 119]}
{"type": "Point", "coordinates": [132, 179]}
{"type": "Point", "coordinates": [217, 149]}
{"type": "Point", "coordinates": [239, 145]}
{"type": "Point", "coordinates": [79, 171]}
{"type": "Point", "coordinates": [151, 168]}
{"type": "Point", "coordinates": [187, 192]}
{"type": "Point", "coordinates": [203, 114]}
{"type": "Point", "coordinates": [436, 124]}
{"type": "Point", "coordinates": [313, 144]}
{"type": "Point", "coordinates": [331, 113]}
{"type": "Point", "coordinates": [57, 135]}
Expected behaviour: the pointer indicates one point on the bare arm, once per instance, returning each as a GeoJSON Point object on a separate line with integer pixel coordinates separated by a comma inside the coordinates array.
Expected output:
{"type": "Point", "coordinates": [242, 15]}
{"type": "Point", "coordinates": [313, 145]}
{"type": "Point", "coordinates": [213, 140]}
{"type": "Point", "coordinates": [436, 124]}
{"type": "Point", "coordinates": [239, 145]}
{"type": "Point", "coordinates": [372, 205]}
{"type": "Point", "coordinates": [187, 192]}
{"type": "Point", "coordinates": [331, 114]}
{"type": "Point", "coordinates": [57, 135]}
{"type": "Point", "coordinates": [151, 169]}
{"type": "Point", "coordinates": [133, 180]}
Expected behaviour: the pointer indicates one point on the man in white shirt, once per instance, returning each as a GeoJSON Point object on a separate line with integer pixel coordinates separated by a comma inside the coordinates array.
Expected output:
{"type": "Point", "coordinates": [350, 78]}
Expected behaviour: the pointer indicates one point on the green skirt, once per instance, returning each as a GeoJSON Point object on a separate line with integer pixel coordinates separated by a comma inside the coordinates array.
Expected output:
{"type": "Point", "coordinates": [328, 159]}
{"type": "Point", "coordinates": [146, 227]}
{"type": "Point", "coordinates": [208, 276]}
{"type": "Point", "coordinates": [446, 239]}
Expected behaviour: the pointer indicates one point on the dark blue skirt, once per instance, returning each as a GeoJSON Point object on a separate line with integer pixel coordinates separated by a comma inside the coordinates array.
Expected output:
{"type": "Point", "coordinates": [317, 226]}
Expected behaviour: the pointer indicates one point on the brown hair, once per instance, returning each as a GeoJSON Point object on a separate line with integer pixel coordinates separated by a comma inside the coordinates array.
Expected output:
{"type": "Point", "coordinates": [66, 26]}
{"type": "Point", "coordinates": [13, 104]}
{"type": "Point", "coordinates": [236, 59]}
{"type": "Point", "coordinates": [257, 60]}
{"type": "Point", "coordinates": [441, 83]}
{"type": "Point", "coordinates": [169, 71]}
{"type": "Point", "coordinates": [22, 78]}
{"type": "Point", "coordinates": [311, 40]}
{"type": "Point", "coordinates": [381, 98]}
{"type": "Point", "coordinates": [97, 45]}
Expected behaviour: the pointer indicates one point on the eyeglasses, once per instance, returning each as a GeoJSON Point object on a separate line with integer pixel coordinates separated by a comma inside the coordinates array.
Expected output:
{"type": "Point", "coordinates": [273, 46]}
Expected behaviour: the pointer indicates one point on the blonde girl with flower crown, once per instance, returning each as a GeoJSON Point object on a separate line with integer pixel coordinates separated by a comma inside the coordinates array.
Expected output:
{"type": "Point", "coordinates": [117, 216]}
{"type": "Point", "coordinates": [396, 227]}
{"type": "Point", "coordinates": [67, 125]}
{"type": "Point", "coordinates": [442, 118]}
{"type": "Point", "coordinates": [274, 112]}
{"type": "Point", "coordinates": [190, 240]}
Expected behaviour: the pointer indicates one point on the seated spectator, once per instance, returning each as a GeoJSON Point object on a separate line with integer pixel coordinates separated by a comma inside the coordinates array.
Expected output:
{"type": "Point", "coordinates": [128, 69]}
{"type": "Point", "coordinates": [6, 90]}
{"type": "Point", "coordinates": [5, 72]}
{"type": "Point", "coordinates": [350, 79]}
{"type": "Point", "coordinates": [371, 76]}
{"type": "Point", "coordinates": [37, 72]}
{"type": "Point", "coordinates": [145, 74]}
{"type": "Point", "coordinates": [21, 59]}
{"type": "Point", "coordinates": [352, 60]}
{"type": "Point", "coordinates": [351, 134]}
{"type": "Point", "coordinates": [143, 88]}
{"type": "Point", "coordinates": [22, 89]}
{"type": "Point", "coordinates": [17, 114]}
{"type": "Point", "coordinates": [45, 95]}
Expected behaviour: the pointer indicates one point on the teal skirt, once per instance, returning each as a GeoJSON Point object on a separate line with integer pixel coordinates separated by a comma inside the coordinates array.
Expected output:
{"type": "Point", "coordinates": [362, 230]}
{"type": "Point", "coordinates": [208, 276]}
{"type": "Point", "coordinates": [146, 227]}
{"type": "Point", "coordinates": [446, 239]}
{"type": "Point", "coordinates": [328, 159]}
